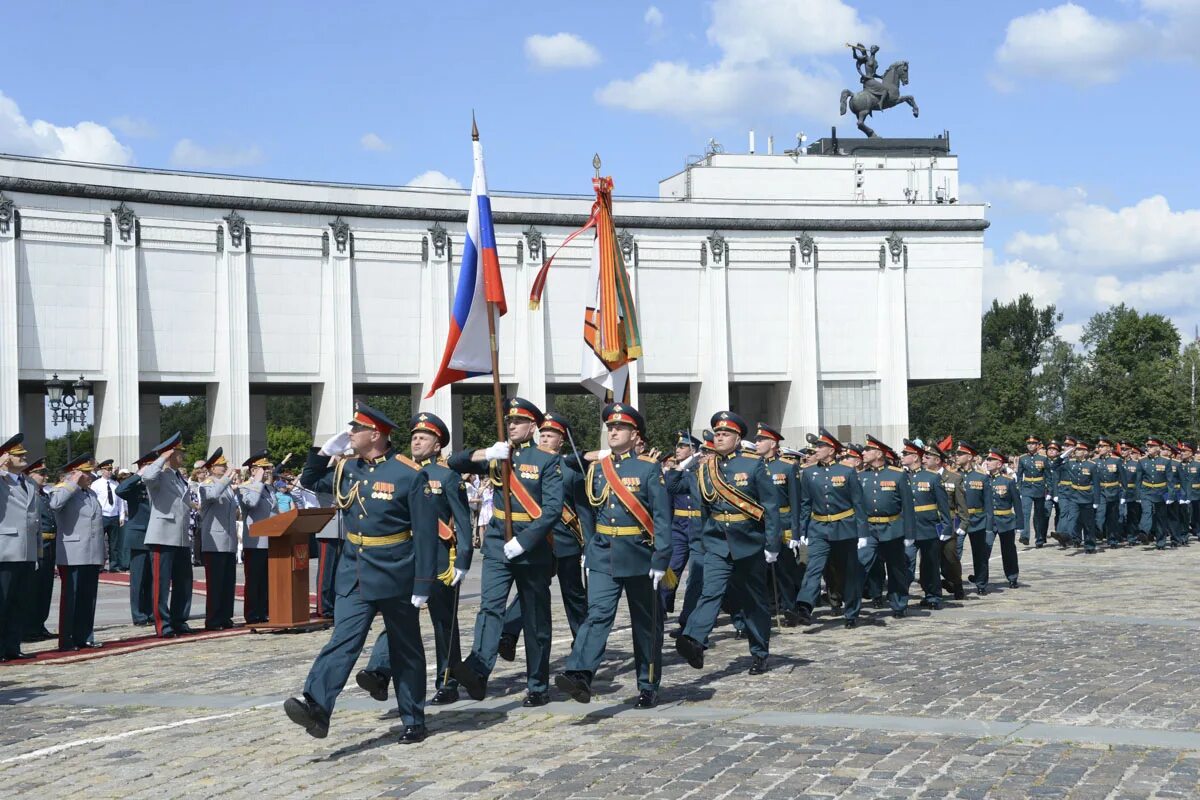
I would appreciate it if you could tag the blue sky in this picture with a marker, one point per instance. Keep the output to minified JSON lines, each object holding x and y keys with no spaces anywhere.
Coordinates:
{"x":1070,"y":118}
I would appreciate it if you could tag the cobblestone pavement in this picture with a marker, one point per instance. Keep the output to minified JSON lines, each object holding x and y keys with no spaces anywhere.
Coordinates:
{"x":1084,"y":683}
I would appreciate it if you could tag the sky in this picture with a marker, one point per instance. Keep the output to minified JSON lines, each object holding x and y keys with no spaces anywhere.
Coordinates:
{"x":1073,"y":120}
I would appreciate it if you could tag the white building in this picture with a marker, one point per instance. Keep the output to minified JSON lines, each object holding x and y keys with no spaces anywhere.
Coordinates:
{"x":800,"y":289}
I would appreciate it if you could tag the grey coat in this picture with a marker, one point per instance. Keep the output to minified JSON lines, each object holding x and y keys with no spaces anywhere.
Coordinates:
{"x":20,"y":522}
{"x":258,"y":503}
{"x":80,"y":522}
{"x":218,"y":515}
{"x":169,"y":507}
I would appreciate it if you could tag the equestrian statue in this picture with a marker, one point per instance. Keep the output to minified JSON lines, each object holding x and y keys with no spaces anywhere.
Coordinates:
{"x":878,"y":93}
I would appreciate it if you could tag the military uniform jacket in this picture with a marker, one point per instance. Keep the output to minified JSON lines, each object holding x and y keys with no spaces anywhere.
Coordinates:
{"x":1129,"y":477}
{"x":218,"y":515}
{"x":20,"y":537}
{"x":45,"y":515}
{"x":1152,"y":479}
{"x":1060,"y":469}
{"x":617,"y":544}
{"x":1110,"y":471}
{"x":1032,"y":473}
{"x":727,"y":530}
{"x":1004,"y":505}
{"x":888,"y":503}
{"x":448,"y":495}
{"x":831,"y":503}
{"x":391,"y":524}
{"x":80,"y":524}
{"x":931,"y":506}
{"x":541,"y":474}
{"x":169,"y":508}
{"x":684,"y":492}
{"x":1174,"y":486}
{"x":1085,"y":481}
{"x":258,"y":503}
{"x":787,"y":484}
{"x":952,"y":482}
{"x":566,"y":542}
{"x":137,"y":502}
{"x":1189,"y":478}
{"x":977,"y":497}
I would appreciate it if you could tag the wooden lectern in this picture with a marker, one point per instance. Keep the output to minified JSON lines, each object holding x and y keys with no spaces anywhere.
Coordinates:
{"x":287,"y":565}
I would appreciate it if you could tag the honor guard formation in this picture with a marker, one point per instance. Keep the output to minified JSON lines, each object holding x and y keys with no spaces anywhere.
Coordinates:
{"x":732,"y":523}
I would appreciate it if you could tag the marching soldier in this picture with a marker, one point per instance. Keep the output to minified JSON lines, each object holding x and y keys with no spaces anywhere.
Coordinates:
{"x":1032,"y":470}
{"x":832,"y":519}
{"x":20,"y":545}
{"x":386,"y":567}
{"x":627,"y":523}
{"x":931,"y":516}
{"x":535,"y":479}
{"x":936,"y":459}
{"x":1111,"y":480}
{"x":685,"y":511}
{"x":1005,"y":516}
{"x":568,"y":540}
{"x":1174,"y":500}
{"x":43,"y":578}
{"x":1131,"y":506}
{"x":429,"y":435}
{"x":167,"y":537}
{"x":740,"y":509}
{"x":1064,"y":521}
{"x":1152,"y":490}
{"x":976,"y":497}
{"x":257,"y":497}
{"x":1081,"y":497}
{"x":888,"y":506}
{"x":1190,"y":485}
{"x":784,"y":573}
{"x":218,"y":540}
{"x":141,"y":574}
{"x":80,"y":553}
{"x":684,"y":490}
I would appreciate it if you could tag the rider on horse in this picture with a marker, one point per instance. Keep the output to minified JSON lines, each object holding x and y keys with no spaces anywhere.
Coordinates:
{"x":868,"y":70}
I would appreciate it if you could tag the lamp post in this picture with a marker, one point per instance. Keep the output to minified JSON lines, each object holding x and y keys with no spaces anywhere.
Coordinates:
{"x":68,"y":408}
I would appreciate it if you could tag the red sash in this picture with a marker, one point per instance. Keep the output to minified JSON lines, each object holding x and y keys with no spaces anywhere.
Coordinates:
{"x":523,"y":496}
{"x":627,"y":498}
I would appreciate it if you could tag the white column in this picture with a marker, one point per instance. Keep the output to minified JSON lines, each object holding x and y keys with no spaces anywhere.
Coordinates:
{"x":799,"y":408}
{"x":228,"y":399}
{"x":118,"y":401}
{"x":150,"y":422}
{"x":10,"y":396}
{"x":435,"y":307}
{"x":333,"y":398}
{"x":711,"y":394}
{"x":892,"y":353}
{"x":529,"y":328}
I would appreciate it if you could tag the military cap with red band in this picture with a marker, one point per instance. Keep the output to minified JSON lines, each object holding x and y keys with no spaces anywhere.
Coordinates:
{"x":1105,"y":440}
{"x":523,"y":409}
{"x":875,"y":444}
{"x":1153,"y":441}
{"x":554,"y":422}
{"x":729,"y":421}
{"x":967,"y":448}
{"x":1189,"y":446}
{"x":367,"y":417}
{"x":995,"y":455}
{"x":708,"y":441}
{"x":850,"y":450}
{"x":823,"y":439}
{"x":912,"y":447}
{"x":623,"y":413}
{"x":764,"y":431}
{"x":424,"y":422}
{"x":1031,"y":439}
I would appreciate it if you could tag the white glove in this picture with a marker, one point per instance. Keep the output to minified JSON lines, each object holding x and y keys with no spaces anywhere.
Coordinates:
{"x":656,"y":575}
{"x":804,"y":541}
{"x":796,"y":544}
{"x":1053,"y":499}
{"x":1186,"y":502}
{"x":420,"y":600}
{"x":498,"y":452}
{"x":337,"y":444}
{"x":1170,"y":501}
{"x":960,"y":532}
{"x":1122,"y":501}
{"x":603,"y":453}
{"x":1018,"y":532}
{"x":943,"y":537}
{"x":862,"y":542}
{"x":771,"y":557}
{"x":512,"y":549}
{"x":909,"y":542}
{"x":1095,"y":506}
{"x":459,"y":574}
{"x":687,"y":462}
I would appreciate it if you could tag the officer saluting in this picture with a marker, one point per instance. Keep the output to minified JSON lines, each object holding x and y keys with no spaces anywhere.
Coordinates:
{"x":167,"y":536}
{"x":141,"y":576}
{"x":1033,"y":469}
{"x":257,"y":498}
{"x":20,"y":544}
{"x":80,"y":552}
{"x":627,"y":527}
{"x":742,"y":535}
{"x":218,"y":541}
{"x":386,"y":567}
{"x":43,"y":579}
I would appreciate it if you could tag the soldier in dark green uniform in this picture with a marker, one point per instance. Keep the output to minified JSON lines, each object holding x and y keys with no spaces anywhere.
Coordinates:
{"x":1080,"y":497}
{"x":524,"y":558}
{"x":428,"y":436}
{"x":1111,"y":480}
{"x":627,"y":525}
{"x":1058,"y":479}
{"x":1131,"y":505}
{"x":43,"y":578}
{"x":783,"y":575}
{"x":1152,"y":491}
{"x":553,"y":434}
{"x":1189,"y":478}
{"x":137,"y":517}
{"x":1174,"y":500}
{"x":1032,"y":469}
{"x":387,"y":566}
{"x":741,"y":537}
{"x":1005,"y":515}
{"x":937,"y":459}
{"x":931,"y":517}
{"x":686,"y":544}
{"x":977,"y":496}
{"x":888,"y":505}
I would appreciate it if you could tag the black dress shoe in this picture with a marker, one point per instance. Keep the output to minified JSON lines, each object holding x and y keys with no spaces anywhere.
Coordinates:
{"x":413,"y":734}
{"x":961,"y":594}
{"x":691,"y":650}
{"x":18,"y":656}
{"x":738,"y":633}
{"x":758,"y":666}
{"x":1013,"y":584}
{"x":1024,"y":542}
{"x":646,"y":699}
{"x":836,"y":609}
{"x":675,"y":634}
{"x":535,"y":699}
{"x":901,"y":614}
{"x":852,"y":623}
{"x":971,"y":578}
{"x":185,"y":629}
{"x":90,"y":645}
{"x":804,"y":615}
{"x":877,"y":602}
{"x":791,"y":618}
{"x":469,"y":679}
{"x":577,"y":685}
{"x":507,"y":649}
{"x":444,"y":697}
{"x":308,"y":715}
{"x":169,"y":635}
{"x":1040,"y":545}
{"x":374,"y":682}
{"x":983,"y":589}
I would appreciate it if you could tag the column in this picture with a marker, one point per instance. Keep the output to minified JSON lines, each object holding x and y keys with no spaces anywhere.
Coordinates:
{"x":257,"y":416}
{"x":150,"y":413}
{"x":333,"y":398}
{"x":228,"y":400}
{"x":118,"y":398}
{"x":799,"y":404}
{"x":711,"y":394}
{"x":435,"y":308}
{"x":33,"y":422}
{"x":10,"y":399}
{"x":892,"y":353}
{"x":529,"y":327}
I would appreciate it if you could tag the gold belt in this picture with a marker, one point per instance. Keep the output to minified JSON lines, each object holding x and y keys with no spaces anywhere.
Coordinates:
{"x":721,"y":516}
{"x":1110,"y":484}
{"x":619,"y":530}
{"x":517,"y":516}
{"x":785,"y":510}
{"x":47,"y":536}
{"x":849,"y":512}
{"x":1155,"y":485}
{"x":974,"y":510}
{"x":930,"y":507}
{"x":1084,"y":487}
{"x":883,"y":520}
{"x":379,"y":541}
{"x":687,"y":512}
{"x":787,"y":536}
{"x":1003,"y":512}
{"x":1033,"y":479}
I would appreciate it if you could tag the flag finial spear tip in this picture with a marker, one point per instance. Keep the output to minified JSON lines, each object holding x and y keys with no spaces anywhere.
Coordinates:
{"x":596,"y":164}
{"x":474,"y":127}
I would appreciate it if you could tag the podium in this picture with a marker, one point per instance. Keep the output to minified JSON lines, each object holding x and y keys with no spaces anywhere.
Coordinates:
{"x":287,"y":566}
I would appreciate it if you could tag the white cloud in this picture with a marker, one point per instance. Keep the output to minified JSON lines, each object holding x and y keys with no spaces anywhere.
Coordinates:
{"x":1023,"y":195}
{"x":757,"y":30}
{"x":1070,"y":332}
{"x":1011,"y":279}
{"x":84,"y":141}
{"x":189,"y":155}
{"x":374,"y":143}
{"x":432,"y":179}
{"x":135,"y":127}
{"x":653,"y":17}
{"x":560,"y":51}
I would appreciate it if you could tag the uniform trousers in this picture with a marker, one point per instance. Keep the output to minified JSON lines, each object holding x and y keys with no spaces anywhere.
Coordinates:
{"x":981,"y":551}
{"x":929,"y":553}
{"x":114,"y":532}
{"x":220,"y":579}
{"x":1133,"y":521}
{"x":1153,"y":523}
{"x":15,"y":581}
{"x":789,"y":574}
{"x":254,"y":593}
{"x":749,"y":577}
{"x":1181,"y":522}
{"x":1108,"y":521}
{"x":141,"y":587}
{"x":952,"y":564}
{"x":1085,"y":526}
{"x":680,"y":552}
{"x":352,"y":618}
{"x":646,"y":618}
{"x":569,"y":571}
{"x":1008,"y":553}
{"x":843,"y":553}
{"x":1067,"y":524}
{"x":533,"y":590}
{"x":1193,"y":520}
{"x":43,"y":589}
{"x":172,"y":585}
{"x":329,"y":552}
{"x":1037,"y":519}
{"x":695,"y":580}
{"x":875,"y":555}
{"x":77,"y":604}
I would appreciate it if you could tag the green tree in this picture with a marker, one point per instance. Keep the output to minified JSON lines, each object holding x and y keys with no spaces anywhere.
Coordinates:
{"x":284,"y":439}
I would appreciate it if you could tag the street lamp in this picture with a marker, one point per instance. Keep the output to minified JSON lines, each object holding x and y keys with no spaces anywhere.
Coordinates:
{"x":68,"y":408}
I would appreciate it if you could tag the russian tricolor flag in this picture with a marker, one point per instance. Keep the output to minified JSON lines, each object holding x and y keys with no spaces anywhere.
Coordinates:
{"x":468,"y":351}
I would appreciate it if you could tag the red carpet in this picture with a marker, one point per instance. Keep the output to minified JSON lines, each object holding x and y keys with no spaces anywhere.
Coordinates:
{"x":198,"y":586}
{"x":123,"y":646}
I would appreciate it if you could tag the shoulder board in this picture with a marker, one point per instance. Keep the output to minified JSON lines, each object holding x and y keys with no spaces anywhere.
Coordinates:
{"x":443,"y":461}
{"x":755,"y":456}
{"x":207,"y":481}
{"x":648,"y":459}
{"x":60,"y":485}
{"x":408,"y":462}
{"x":895,"y":469}
{"x":547,"y":450}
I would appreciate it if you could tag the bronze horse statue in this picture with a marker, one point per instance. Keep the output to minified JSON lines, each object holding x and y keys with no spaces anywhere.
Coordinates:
{"x":879,"y":95}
